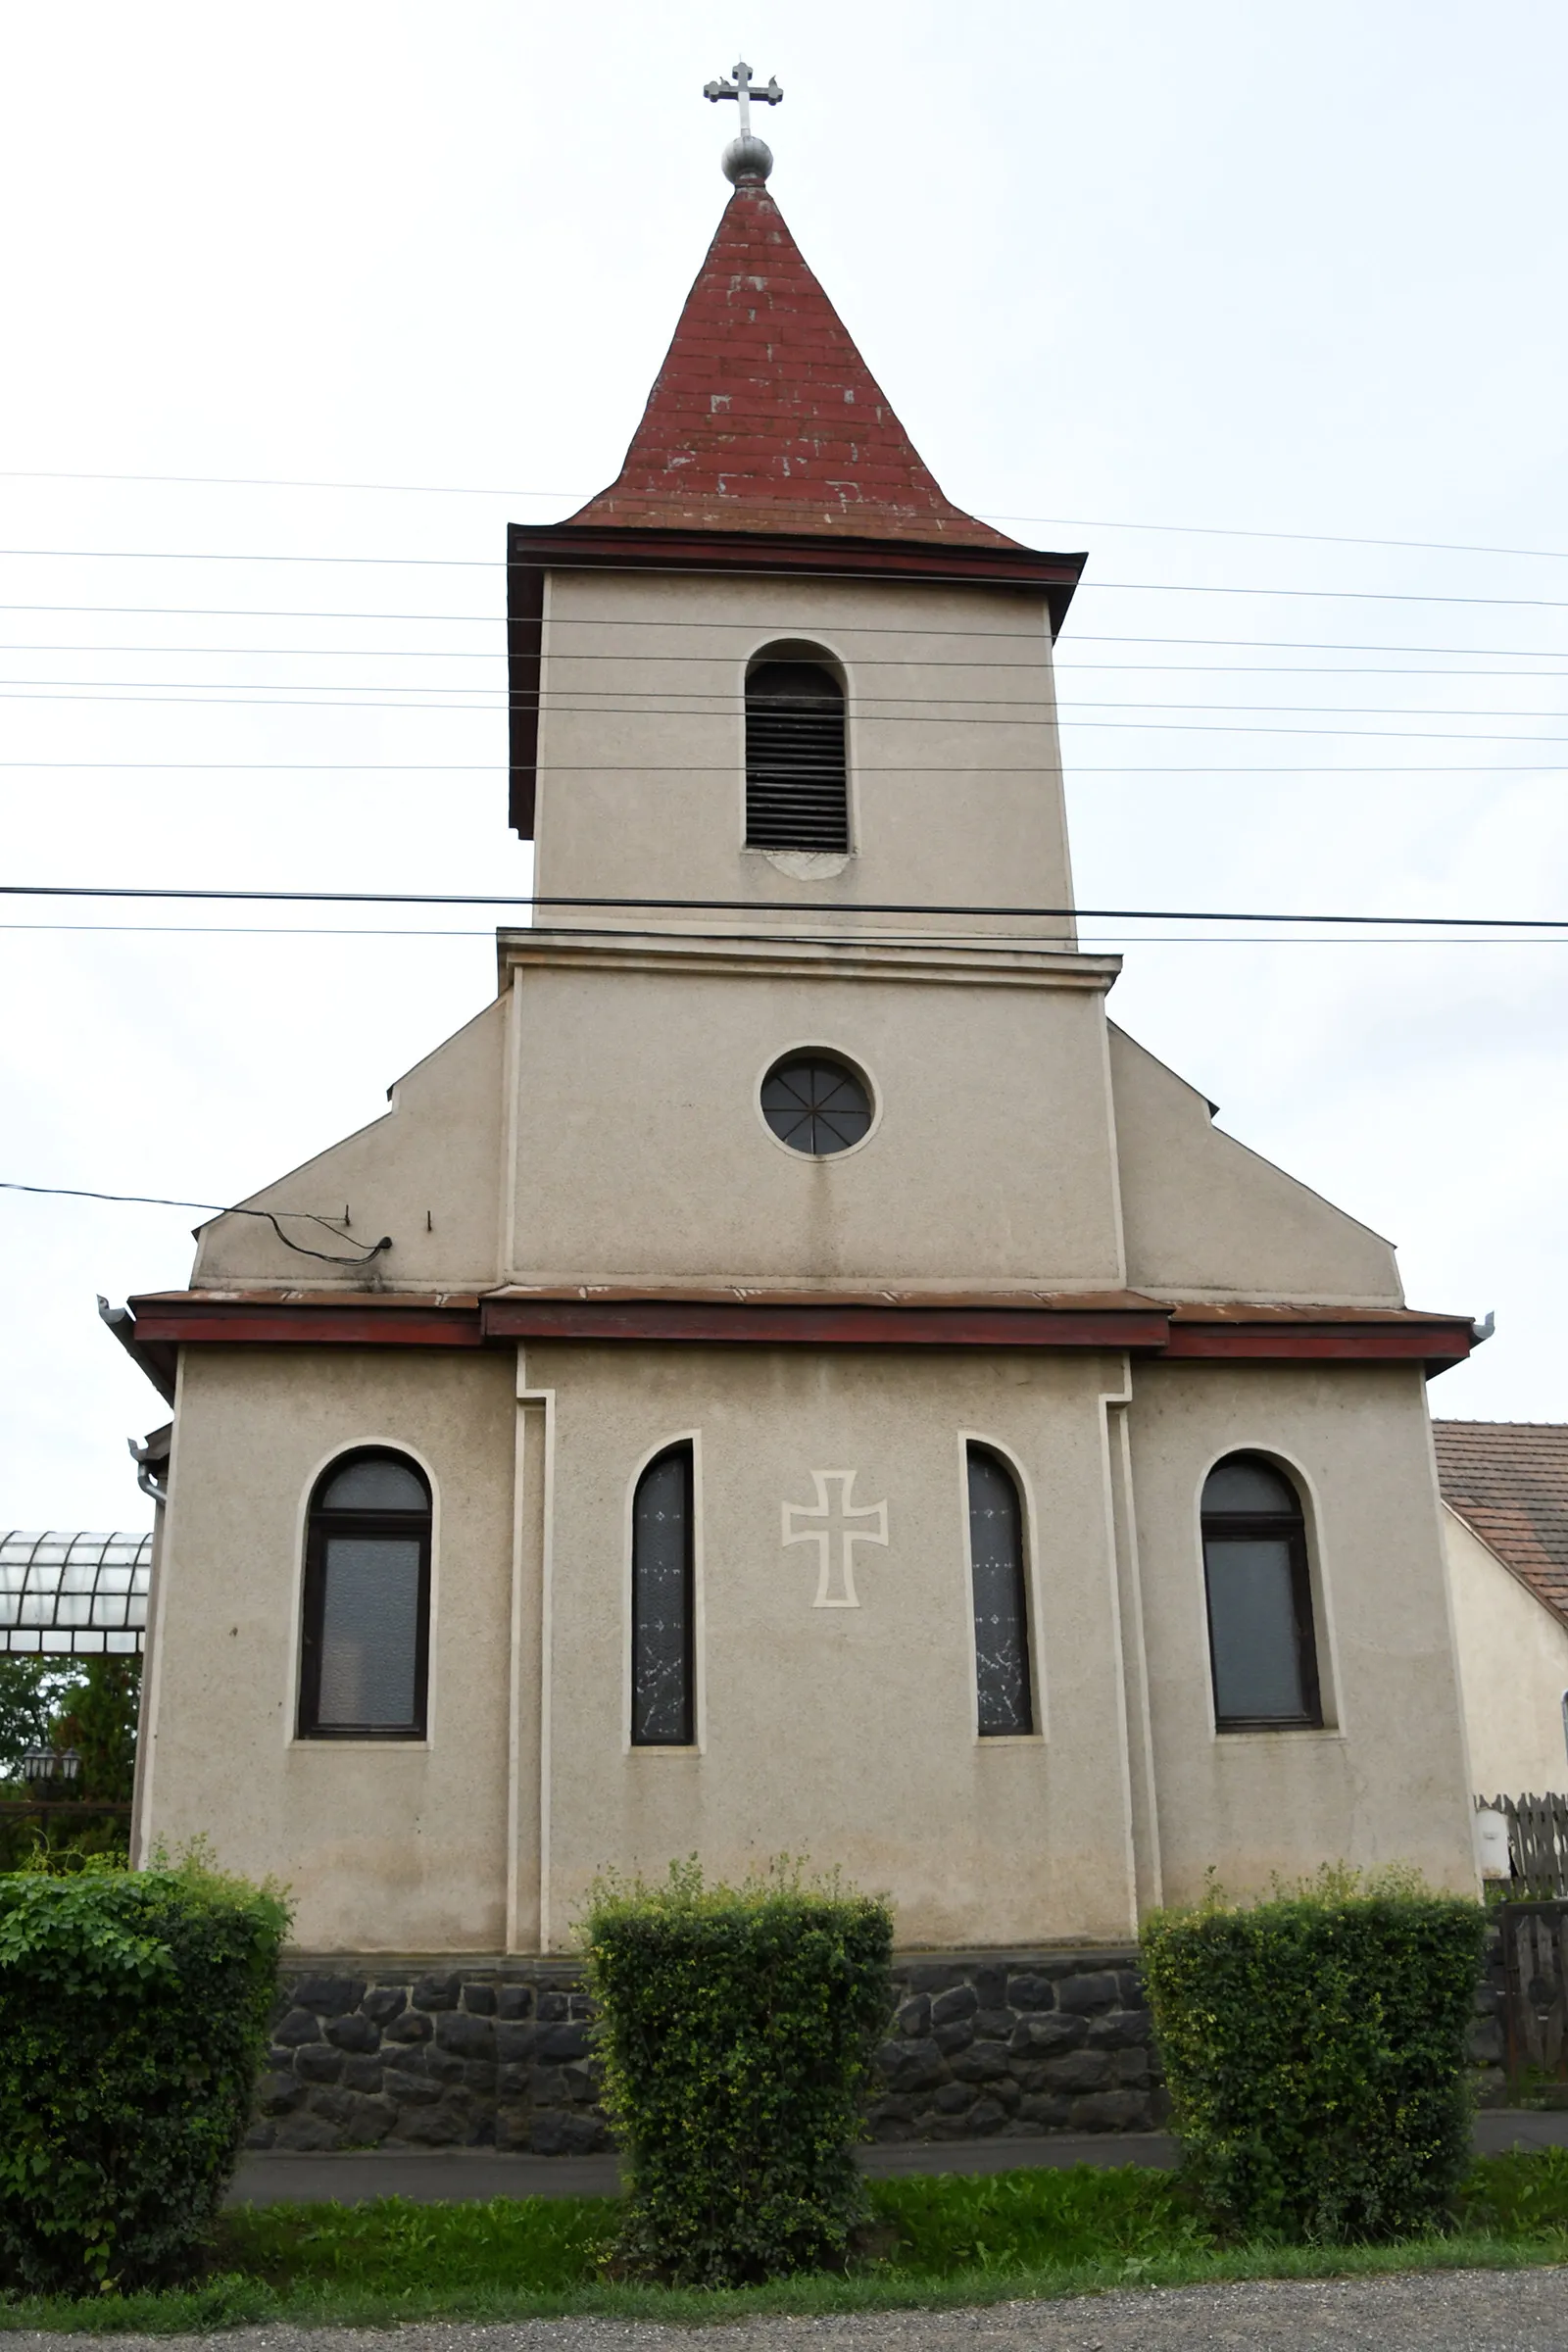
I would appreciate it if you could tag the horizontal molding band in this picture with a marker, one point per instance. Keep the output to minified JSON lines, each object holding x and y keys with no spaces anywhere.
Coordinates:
{"x":1148,"y":1330}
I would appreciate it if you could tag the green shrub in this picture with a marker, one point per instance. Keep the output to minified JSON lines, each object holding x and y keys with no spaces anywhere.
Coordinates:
{"x":133,"y":2014}
{"x":736,"y":2027}
{"x":1314,"y":2052}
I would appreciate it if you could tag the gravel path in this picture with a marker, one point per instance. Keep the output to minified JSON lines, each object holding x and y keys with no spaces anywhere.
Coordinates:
{"x":1435,"y":2310}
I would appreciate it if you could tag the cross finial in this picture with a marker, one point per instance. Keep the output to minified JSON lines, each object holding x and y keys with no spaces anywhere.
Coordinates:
{"x":746,"y":157}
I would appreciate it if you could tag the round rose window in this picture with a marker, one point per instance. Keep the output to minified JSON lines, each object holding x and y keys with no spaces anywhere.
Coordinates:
{"x":816,"y":1104}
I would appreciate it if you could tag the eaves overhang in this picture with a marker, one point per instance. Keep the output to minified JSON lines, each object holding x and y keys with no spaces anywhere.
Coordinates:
{"x":730,"y":1315}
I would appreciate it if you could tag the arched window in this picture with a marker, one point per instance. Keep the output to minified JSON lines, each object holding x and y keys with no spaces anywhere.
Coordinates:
{"x":797,"y":776}
{"x":1002,"y":1685}
{"x":366,"y":1642}
{"x":1261,"y":1643}
{"x":664,"y":1604}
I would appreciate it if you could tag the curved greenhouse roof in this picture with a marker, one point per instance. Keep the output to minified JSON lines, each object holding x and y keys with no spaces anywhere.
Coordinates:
{"x":74,"y":1595}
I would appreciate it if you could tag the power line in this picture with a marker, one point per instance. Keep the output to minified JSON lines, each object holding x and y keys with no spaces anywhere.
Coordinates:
{"x":431,"y":653}
{"x":1016,"y":714}
{"x":901,"y":767}
{"x":145,"y":555}
{"x":496,"y":620}
{"x":1071,"y":522}
{"x":1142,"y":939}
{"x":534,"y":898}
{"x":68,"y":1192}
{"x":221,"y":701}
{"x":657,"y":703}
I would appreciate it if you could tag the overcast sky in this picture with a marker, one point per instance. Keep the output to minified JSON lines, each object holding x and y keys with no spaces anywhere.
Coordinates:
{"x":1118,"y":266}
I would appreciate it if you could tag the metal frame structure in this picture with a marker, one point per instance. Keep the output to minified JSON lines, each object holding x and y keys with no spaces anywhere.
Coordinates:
{"x":74,"y":1595}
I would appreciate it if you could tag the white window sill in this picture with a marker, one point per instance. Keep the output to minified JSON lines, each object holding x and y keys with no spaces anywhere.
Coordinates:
{"x":362,"y":1747}
{"x":1288,"y":1731}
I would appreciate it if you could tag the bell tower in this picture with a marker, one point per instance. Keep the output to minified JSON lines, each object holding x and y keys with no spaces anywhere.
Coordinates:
{"x":772,"y":665}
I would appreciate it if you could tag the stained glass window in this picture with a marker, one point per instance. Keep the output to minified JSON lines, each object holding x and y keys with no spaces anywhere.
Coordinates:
{"x":816,"y":1104}
{"x":1002,"y":1685}
{"x":1263,"y":1653}
{"x":662,"y":1604}
{"x":367,"y":1603}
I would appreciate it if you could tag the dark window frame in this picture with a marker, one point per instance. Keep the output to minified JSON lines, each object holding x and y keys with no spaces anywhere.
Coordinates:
{"x":684,"y":1450}
{"x":796,"y":762}
{"x":321,"y":1524}
{"x":805,"y":1117}
{"x":976,"y":1448}
{"x":1274,"y":1527}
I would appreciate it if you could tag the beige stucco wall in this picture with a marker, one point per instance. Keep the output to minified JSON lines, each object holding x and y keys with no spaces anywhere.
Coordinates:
{"x":1207,"y":1219}
{"x":846,"y":1734}
{"x":1387,"y":1781}
{"x":954,"y":763}
{"x":385,"y":1846}
{"x":640,"y":1149}
{"x":1513,"y":1670}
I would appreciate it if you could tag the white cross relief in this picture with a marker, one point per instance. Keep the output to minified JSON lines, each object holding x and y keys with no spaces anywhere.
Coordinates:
{"x":836,"y":1523}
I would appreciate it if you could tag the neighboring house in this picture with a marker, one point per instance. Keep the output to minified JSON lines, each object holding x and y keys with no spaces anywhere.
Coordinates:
{"x":791,"y":1376}
{"x":1504,"y":1488}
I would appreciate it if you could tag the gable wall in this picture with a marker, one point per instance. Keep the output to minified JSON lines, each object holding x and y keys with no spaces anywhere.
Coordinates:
{"x":1207,"y":1219}
{"x":1513,"y":1669}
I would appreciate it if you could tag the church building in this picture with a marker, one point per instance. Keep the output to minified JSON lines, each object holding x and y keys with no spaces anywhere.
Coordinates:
{"x":791,"y":1376}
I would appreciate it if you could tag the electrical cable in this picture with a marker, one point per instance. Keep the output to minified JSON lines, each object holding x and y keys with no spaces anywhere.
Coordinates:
{"x":428,"y":653}
{"x":1424,"y":769}
{"x":1085,"y":941}
{"x":70,"y":1192}
{"x":489,"y":621}
{"x":146,"y":555}
{"x":1019,"y":714}
{"x":1071,"y":522}
{"x":654,"y":702}
{"x":527,"y":898}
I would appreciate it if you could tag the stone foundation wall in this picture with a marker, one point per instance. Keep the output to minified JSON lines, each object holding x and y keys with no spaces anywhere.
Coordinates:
{"x":430,"y":2056}
{"x":1017,"y":2043}
{"x":479,"y":2054}
{"x":476,"y":2054}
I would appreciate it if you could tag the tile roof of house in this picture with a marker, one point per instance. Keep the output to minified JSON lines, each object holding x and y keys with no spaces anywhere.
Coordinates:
{"x":764,"y":417}
{"x":1508,"y":1481}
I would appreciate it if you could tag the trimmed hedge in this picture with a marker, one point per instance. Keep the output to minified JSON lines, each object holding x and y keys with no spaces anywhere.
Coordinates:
{"x":735,"y":2033}
{"x":1314,"y":2052}
{"x":133,"y":2015}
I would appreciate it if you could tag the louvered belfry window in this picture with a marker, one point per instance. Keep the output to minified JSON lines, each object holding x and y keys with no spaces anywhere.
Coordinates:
{"x":797,"y":776}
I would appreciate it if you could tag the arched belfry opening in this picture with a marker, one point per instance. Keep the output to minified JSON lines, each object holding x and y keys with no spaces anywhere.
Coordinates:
{"x":796,"y":763}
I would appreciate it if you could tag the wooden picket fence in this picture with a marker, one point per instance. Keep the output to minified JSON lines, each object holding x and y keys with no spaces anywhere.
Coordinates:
{"x":1537,"y":1844}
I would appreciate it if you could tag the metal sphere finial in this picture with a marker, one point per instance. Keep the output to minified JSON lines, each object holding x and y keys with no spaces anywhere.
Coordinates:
{"x":747,"y":158}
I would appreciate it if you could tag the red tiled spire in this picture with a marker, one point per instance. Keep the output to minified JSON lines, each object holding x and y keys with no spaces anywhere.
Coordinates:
{"x":764,"y":417}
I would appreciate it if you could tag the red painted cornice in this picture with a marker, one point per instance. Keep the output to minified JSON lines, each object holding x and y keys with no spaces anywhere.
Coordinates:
{"x":673,"y":1314}
{"x":384,"y":1319}
{"x":622,"y":547}
{"x":827,"y":1323}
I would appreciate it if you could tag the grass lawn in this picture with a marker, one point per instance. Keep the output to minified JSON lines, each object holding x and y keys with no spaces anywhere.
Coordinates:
{"x":938,"y":2240}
